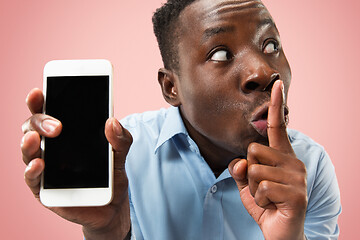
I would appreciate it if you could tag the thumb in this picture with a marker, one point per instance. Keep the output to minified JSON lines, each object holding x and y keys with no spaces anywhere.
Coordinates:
{"x":238,"y":170}
{"x":120,"y":140}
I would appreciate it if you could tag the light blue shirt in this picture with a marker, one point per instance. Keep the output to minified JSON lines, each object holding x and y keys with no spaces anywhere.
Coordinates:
{"x":175,"y":195}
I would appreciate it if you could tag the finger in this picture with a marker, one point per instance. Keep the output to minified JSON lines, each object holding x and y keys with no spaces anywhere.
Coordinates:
{"x":269,"y":194}
{"x":238,"y":170}
{"x":258,"y":153}
{"x":30,"y":146}
{"x":258,"y":173}
{"x":250,"y":205}
{"x":278,"y":137}
{"x":120,"y":139}
{"x":32,"y":175}
{"x":35,"y":101}
{"x":43,"y":124}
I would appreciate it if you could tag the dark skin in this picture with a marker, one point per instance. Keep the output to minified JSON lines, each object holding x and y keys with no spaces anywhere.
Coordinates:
{"x":227,"y":91}
{"x":230,"y":57}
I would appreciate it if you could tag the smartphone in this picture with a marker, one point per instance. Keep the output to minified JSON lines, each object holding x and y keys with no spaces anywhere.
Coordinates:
{"x":79,"y":162}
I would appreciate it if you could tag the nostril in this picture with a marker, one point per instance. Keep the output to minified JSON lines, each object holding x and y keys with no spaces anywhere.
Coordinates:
{"x":260,"y":82}
{"x":252,"y":86}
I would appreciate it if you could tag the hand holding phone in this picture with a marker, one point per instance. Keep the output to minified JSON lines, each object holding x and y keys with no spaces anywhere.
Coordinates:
{"x":99,"y":221}
{"x":79,"y":162}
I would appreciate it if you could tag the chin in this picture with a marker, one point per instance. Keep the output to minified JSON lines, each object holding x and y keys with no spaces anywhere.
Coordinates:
{"x":240,"y":149}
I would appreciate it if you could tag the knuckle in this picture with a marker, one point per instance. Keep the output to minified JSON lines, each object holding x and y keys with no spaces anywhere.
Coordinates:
{"x":129,"y":138}
{"x":254,"y":170}
{"x":264,"y":186}
{"x":32,"y":182}
{"x":253,"y":148}
{"x":261,"y":194}
{"x":301,"y":200}
{"x":25,"y":126}
{"x":33,"y":122}
{"x":126,"y":139}
{"x":301,"y":168}
{"x":300,"y":180}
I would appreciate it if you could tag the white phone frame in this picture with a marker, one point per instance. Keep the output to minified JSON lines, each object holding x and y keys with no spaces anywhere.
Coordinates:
{"x":78,"y":197}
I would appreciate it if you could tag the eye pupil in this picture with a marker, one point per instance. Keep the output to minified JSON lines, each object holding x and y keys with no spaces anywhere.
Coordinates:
{"x":271,"y":47}
{"x":228,"y":55}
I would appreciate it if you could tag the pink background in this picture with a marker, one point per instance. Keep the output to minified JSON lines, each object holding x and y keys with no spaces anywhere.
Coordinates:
{"x":321,"y":39}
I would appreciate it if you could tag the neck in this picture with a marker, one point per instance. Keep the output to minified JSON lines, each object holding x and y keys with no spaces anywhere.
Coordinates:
{"x":216,"y":157}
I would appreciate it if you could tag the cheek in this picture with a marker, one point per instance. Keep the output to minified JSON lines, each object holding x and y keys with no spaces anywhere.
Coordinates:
{"x":203,"y":103}
{"x":216,"y":115}
{"x":285,"y":71}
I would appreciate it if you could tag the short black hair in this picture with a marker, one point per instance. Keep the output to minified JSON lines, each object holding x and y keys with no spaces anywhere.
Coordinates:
{"x":165,"y":21}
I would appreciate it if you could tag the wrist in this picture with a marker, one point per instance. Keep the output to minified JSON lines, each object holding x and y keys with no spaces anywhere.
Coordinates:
{"x":114,"y":234}
{"x":118,"y":227}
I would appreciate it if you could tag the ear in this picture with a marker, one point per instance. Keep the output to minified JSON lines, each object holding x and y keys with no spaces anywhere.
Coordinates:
{"x":168,"y":82}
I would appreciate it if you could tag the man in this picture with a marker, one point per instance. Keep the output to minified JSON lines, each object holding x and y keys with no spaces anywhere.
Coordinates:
{"x":226,"y":76}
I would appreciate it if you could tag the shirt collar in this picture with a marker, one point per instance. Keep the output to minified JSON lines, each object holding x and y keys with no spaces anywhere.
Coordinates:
{"x":173,"y":125}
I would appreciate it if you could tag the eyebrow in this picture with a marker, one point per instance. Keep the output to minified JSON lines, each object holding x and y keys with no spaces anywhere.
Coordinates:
{"x":215,"y":31}
{"x":267,"y":22}
{"x":212,"y":31}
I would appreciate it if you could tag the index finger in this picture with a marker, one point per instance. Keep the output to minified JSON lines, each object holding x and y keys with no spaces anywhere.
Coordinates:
{"x":276,"y":129}
{"x":35,"y":101}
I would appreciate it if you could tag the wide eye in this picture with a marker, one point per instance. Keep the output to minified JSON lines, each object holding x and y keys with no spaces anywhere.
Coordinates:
{"x":221,"y":55}
{"x":271,"y":47}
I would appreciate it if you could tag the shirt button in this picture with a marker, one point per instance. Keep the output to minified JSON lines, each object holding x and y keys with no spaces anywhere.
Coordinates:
{"x":213,"y":189}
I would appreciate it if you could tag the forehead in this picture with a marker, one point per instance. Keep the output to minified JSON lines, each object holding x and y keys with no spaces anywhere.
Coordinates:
{"x":203,"y":14}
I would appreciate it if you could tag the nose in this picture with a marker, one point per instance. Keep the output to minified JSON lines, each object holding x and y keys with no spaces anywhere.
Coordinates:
{"x":257,"y":74}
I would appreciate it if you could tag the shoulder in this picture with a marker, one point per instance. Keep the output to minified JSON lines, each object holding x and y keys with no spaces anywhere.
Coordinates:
{"x":149,"y":122}
{"x":313,"y":155}
{"x":136,"y":119}
{"x":322,"y":187}
{"x":299,"y":139}
{"x":306,"y":149}
{"x":321,"y":176}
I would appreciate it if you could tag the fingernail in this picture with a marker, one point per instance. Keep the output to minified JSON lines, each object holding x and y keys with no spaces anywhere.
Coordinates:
{"x":117,"y":128}
{"x":49,"y":125}
{"x":282,"y":91}
{"x":236,"y":166}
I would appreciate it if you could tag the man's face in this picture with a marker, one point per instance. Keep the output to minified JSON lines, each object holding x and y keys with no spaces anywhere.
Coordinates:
{"x":229,"y":55}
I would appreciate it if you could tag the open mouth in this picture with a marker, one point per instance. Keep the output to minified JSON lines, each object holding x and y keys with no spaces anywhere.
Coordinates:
{"x":259,"y":119}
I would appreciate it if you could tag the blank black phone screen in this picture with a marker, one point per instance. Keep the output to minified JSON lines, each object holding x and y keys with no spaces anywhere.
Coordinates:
{"x":78,"y":157}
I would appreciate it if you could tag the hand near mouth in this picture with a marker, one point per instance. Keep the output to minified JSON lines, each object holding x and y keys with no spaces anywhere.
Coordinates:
{"x":272,"y":181}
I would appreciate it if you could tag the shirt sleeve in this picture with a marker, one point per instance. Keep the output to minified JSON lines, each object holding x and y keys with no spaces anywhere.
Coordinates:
{"x":324,"y":203}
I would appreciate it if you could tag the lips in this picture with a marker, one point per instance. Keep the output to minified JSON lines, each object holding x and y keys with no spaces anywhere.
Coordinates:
{"x":259,"y":118}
